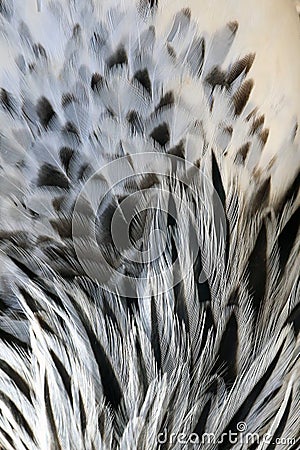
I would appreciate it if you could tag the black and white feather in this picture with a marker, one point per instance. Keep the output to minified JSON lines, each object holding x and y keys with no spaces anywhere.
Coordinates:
{"x":85,"y":367}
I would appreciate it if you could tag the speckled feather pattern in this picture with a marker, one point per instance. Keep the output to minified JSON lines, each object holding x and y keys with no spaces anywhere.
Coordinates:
{"x":87,"y":84}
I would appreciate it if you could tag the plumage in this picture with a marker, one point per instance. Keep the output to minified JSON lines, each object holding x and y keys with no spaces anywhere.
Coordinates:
{"x":149,"y":231}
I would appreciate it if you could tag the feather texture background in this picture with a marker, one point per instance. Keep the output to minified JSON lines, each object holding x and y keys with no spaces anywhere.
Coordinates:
{"x":194,"y":330}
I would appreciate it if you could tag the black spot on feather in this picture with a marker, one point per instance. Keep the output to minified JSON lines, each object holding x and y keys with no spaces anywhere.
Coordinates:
{"x":45,"y":111}
{"x":31,"y":67}
{"x":241,"y":97}
{"x":240,"y":66}
{"x":76,"y":30}
{"x":96,"y":82}
{"x":149,"y":180}
{"x":84,"y":172}
{"x":135,"y":122}
{"x":99,"y":38}
{"x":261,"y":197}
{"x":7,"y":101}
{"x":187,"y":13}
{"x":6,"y":8}
{"x":242,"y":154}
{"x":72,"y":132}
{"x":67,"y":99}
{"x":18,"y":238}
{"x":228,"y":130}
{"x":63,"y":227}
{"x":257,"y":124}
{"x":263,"y":137}
{"x":65,"y":155}
{"x":161,"y":134}
{"x":50,"y":176}
{"x":166,"y":101}
{"x":148,"y":3}
{"x":178,"y":150}
{"x":142,"y":76}
{"x":39,"y":51}
{"x":171,"y":51}
{"x":233,"y":26}
{"x":118,"y":58}
{"x":216,"y":77}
